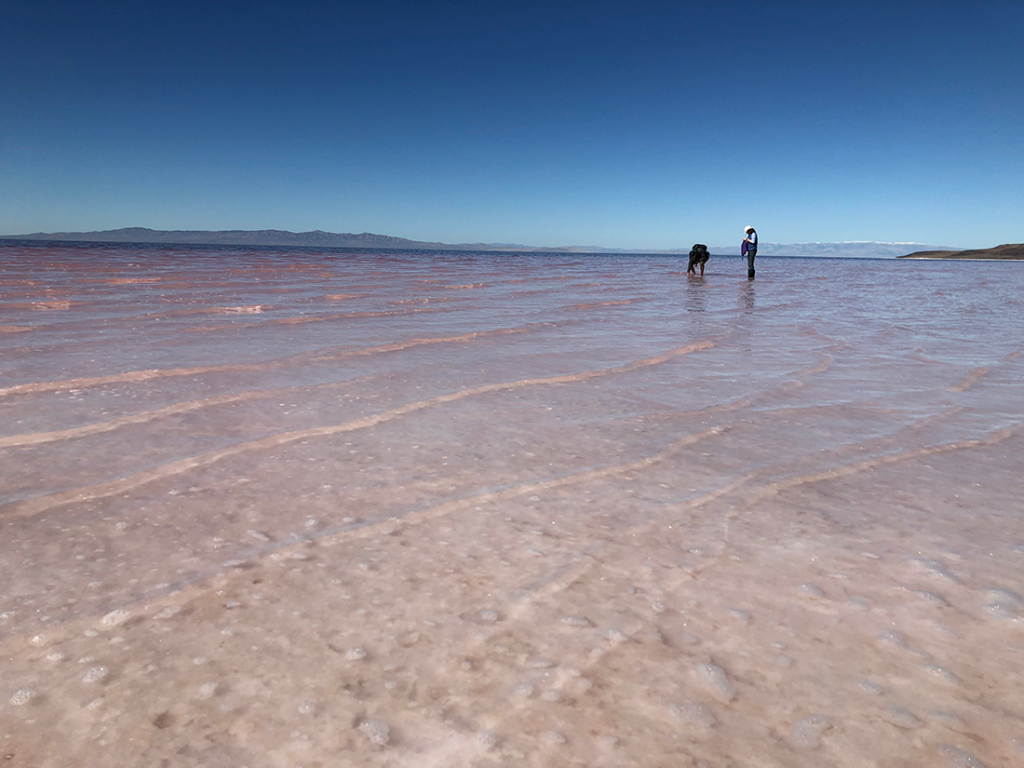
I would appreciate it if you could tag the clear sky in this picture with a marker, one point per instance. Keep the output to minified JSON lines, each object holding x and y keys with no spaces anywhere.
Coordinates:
{"x":621,"y":124}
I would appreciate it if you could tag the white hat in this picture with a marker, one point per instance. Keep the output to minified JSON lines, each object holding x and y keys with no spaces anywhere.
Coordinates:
{"x":747,"y":228}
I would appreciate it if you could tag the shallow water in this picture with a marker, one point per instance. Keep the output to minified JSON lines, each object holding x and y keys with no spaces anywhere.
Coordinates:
{"x":282,"y":508}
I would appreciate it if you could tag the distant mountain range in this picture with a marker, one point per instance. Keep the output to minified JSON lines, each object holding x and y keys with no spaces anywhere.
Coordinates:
{"x":319,"y":238}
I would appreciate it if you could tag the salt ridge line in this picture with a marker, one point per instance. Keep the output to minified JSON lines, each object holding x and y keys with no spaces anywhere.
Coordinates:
{"x":585,"y":561}
{"x":412,"y":516}
{"x":970,"y":381}
{"x":850,"y":469}
{"x":295,"y":320}
{"x":184,"y":406}
{"x":303,"y":319}
{"x":156,"y":373}
{"x":773,"y":489}
{"x":103,"y":490}
{"x":425,"y":513}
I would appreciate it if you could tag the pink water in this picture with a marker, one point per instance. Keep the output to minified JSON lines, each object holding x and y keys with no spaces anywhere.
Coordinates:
{"x":259,"y":507}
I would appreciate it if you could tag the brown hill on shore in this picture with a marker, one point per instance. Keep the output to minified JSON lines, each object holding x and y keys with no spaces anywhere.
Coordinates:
{"x":1014,"y":251}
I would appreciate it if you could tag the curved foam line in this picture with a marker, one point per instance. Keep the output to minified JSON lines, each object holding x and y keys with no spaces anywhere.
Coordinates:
{"x":860,"y":466}
{"x":970,"y":381}
{"x":511,"y":492}
{"x":557,"y":579}
{"x":307,"y":319}
{"x":596,"y":304}
{"x":157,"y":373}
{"x":103,"y":490}
{"x":184,"y":406}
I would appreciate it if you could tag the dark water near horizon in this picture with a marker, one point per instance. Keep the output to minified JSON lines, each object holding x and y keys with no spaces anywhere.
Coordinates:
{"x":531,"y":509}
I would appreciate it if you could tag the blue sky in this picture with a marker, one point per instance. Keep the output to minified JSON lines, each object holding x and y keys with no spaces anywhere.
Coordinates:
{"x":640,"y":124}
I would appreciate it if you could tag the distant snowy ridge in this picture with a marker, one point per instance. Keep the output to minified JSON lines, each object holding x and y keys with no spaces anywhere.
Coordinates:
{"x":851,"y":249}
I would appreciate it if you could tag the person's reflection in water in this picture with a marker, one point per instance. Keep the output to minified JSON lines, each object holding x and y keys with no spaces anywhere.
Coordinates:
{"x":695,"y":294}
{"x":747,"y":295}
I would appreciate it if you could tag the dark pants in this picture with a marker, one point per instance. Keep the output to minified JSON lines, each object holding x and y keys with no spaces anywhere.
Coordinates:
{"x":750,"y":262}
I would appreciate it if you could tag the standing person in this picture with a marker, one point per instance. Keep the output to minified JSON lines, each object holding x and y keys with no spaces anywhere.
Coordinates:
{"x":749,"y":249}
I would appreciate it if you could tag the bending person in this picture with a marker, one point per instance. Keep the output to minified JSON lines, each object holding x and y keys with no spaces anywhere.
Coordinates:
{"x":698,"y":255}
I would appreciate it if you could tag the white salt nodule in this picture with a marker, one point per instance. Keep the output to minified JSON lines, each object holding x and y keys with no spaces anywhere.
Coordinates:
{"x":114,"y":618}
{"x":95,"y":674}
{"x":486,"y":739}
{"x":22,"y":697}
{"x":716,"y":681}
{"x":957,"y":758}
{"x":806,"y":732}
{"x":616,"y":635}
{"x":206,"y":690}
{"x":941,"y":674}
{"x":376,"y":732}
{"x":693,"y":713}
{"x":901,"y":718}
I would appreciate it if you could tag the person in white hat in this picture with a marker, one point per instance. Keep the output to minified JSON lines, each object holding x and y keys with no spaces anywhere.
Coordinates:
{"x":749,"y":248}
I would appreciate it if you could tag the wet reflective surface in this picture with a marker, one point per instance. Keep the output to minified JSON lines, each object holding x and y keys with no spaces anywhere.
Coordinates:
{"x":281,"y":508}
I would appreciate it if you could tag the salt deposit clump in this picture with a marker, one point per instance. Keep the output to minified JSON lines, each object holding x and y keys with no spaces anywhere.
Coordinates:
{"x":901,"y":718}
{"x":114,"y":618}
{"x":22,"y":697}
{"x":811,"y":590}
{"x":488,"y":615}
{"x":206,"y":690}
{"x":806,"y":732}
{"x":941,"y":674}
{"x":168,"y":612}
{"x":714,"y":679}
{"x":948,"y":719}
{"x":892,"y":638}
{"x":1000,"y":611}
{"x":740,"y":615}
{"x":694,"y":714}
{"x":575,"y":621}
{"x":486,"y":739}
{"x":95,"y":675}
{"x":376,"y":732}
{"x":957,"y":758}
{"x":355,"y":654}
{"x":873,"y":688}
{"x":1004,"y":596}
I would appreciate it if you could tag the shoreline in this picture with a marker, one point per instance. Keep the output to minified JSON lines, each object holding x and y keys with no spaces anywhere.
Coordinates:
{"x":1005,"y":252}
